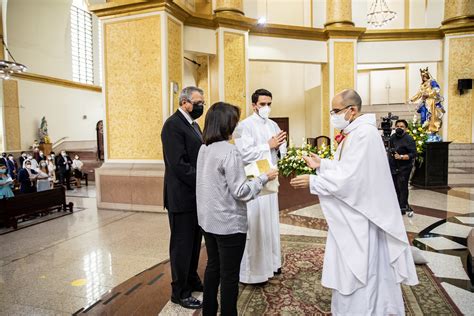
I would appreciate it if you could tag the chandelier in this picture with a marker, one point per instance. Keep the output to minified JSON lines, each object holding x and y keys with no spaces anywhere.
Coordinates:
{"x":380,"y":14}
{"x":7,"y":68}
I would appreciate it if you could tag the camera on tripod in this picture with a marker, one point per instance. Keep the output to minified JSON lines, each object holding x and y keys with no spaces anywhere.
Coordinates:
{"x":386,"y":127}
{"x":386,"y":124}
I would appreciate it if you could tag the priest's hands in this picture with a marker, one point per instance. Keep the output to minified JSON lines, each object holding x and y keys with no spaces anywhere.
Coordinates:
{"x":313,"y":161}
{"x":272,"y":174}
{"x":277,"y":140}
{"x":300,"y":182}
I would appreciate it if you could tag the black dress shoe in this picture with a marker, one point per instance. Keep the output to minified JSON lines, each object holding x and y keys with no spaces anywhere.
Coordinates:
{"x":189,"y":302}
{"x":278,"y":272}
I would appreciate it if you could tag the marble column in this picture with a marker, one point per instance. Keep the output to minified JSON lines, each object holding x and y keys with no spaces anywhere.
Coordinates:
{"x":339,"y":12}
{"x":340,"y":71}
{"x":458,"y":11}
{"x":229,"y":69}
{"x":143,"y":69}
{"x":230,"y":6}
{"x":458,"y":27}
{"x":10,"y":133}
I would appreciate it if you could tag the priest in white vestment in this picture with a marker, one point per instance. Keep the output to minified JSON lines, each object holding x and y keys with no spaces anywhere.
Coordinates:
{"x":367,"y":251}
{"x":257,"y":137}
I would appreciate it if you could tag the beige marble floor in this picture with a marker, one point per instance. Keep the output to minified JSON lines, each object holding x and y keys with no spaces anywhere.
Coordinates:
{"x":59,"y":266}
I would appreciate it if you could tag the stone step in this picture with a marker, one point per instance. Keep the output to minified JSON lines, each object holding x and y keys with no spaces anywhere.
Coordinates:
{"x":461,"y":158}
{"x":461,"y":146}
{"x":461,"y":165}
{"x":460,"y":152}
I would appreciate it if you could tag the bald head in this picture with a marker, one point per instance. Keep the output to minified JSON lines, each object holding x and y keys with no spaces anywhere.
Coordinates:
{"x":347,"y":97}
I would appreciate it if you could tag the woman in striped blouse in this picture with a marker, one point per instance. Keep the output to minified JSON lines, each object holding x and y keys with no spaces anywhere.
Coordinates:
{"x":222,"y":191}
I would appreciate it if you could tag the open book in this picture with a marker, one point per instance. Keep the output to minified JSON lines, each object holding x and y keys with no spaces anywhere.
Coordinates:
{"x":258,"y":168}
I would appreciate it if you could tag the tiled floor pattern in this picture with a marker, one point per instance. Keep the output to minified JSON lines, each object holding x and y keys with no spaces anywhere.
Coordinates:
{"x":65,"y":264}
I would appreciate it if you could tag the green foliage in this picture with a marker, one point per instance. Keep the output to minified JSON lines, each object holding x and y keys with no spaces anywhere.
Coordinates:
{"x":420,"y":136}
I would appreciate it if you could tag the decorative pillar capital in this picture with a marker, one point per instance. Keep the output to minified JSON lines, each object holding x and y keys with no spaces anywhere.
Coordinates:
{"x":230,"y":6}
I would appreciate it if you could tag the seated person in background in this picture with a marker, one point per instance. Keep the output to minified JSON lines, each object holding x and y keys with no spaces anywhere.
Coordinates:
{"x":6,"y":183}
{"x":43,"y":181}
{"x":77,"y":170}
{"x":222,"y":190}
{"x":401,"y":157}
{"x":27,"y":178}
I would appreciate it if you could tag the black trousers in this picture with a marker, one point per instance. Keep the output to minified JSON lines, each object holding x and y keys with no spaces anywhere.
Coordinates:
{"x":185,"y":247}
{"x":224,"y":253}
{"x":400,"y":180}
{"x":65,"y":178}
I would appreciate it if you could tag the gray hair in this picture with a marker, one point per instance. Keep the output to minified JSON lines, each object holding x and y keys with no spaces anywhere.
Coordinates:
{"x":187,"y":92}
{"x":351,"y":97}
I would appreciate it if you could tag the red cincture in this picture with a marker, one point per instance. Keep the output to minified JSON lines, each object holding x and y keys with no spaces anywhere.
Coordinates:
{"x":340,"y":137}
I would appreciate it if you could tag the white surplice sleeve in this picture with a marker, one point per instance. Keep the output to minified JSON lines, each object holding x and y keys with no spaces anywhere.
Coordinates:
{"x":248,"y":147}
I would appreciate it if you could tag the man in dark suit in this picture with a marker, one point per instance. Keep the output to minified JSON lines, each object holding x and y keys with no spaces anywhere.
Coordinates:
{"x":182,"y":139}
{"x":64,"y":166}
{"x":22,"y":159}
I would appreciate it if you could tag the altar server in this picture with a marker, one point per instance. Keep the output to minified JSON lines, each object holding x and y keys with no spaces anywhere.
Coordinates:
{"x":257,"y":137}
{"x":367,"y":251}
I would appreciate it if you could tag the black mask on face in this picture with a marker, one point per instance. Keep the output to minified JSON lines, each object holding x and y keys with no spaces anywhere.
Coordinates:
{"x":399,"y":131}
{"x":198,"y":109}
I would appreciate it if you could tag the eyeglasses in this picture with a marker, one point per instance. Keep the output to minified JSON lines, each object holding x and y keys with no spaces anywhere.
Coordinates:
{"x":199,"y":103}
{"x":335,"y":111}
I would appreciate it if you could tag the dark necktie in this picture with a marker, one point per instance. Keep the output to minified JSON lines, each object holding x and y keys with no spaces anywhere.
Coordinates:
{"x":197,"y":129}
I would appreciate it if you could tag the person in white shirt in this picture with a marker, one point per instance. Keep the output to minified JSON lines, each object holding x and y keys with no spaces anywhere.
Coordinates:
{"x":367,"y":253}
{"x":257,"y":137}
{"x":77,"y":169}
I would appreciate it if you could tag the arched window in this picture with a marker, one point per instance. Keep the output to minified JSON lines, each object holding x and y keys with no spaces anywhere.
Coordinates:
{"x":82,"y":43}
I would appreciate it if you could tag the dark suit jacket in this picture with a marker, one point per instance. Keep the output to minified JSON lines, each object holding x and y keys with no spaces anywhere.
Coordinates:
{"x":181,"y":144}
{"x":61,"y":167}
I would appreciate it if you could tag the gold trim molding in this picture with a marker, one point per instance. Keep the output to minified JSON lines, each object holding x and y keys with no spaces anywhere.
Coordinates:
{"x":401,"y":35}
{"x":463,"y":19}
{"x":334,"y":29}
{"x":57,"y":81}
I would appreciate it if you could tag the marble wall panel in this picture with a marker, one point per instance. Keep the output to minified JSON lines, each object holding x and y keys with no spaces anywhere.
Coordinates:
{"x":175,"y":57}
{"x":235,"y":80}
{"x":133,"y":81}
{"x":460,"y":107}
{"x":11,"y":115}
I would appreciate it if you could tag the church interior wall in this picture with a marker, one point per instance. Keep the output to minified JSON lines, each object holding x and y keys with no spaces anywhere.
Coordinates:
{"x":287,"y":49}
{"x":403,"y":80}
{"x":39,"y":36}
{"x":292,"y":92}
{"x":399,"y":51}
{"x":64,"y":109}
{"x":416,"y":13}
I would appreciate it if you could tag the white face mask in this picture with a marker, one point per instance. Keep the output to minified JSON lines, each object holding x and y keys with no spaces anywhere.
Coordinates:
{"x":264,"y":112}
{"x":339,"y":121}
{"x":63,"y":154}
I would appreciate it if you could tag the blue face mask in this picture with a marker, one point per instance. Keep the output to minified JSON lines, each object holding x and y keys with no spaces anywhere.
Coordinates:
{"x":3,"y":171}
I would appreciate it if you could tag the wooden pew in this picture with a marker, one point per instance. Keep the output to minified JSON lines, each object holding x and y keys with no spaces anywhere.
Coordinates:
{"x":25,"y":205}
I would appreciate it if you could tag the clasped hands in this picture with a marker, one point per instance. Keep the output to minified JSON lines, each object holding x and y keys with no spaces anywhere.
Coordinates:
{"x":301,"y":182}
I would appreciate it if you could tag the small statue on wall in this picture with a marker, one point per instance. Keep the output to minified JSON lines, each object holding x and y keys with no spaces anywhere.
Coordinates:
{"x":43,"y":132}
{"x":429,"y":102}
